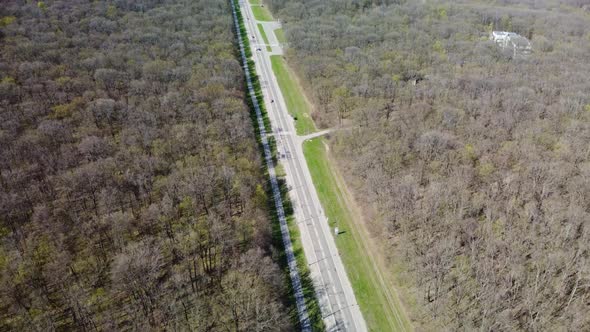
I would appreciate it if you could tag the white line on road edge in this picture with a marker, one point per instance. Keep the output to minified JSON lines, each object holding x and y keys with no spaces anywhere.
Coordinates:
{"x":293,"y":272}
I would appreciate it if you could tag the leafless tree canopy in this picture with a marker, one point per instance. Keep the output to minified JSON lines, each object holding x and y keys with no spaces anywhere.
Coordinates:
{"x":132,"y":196}
{"x":475,"y":161}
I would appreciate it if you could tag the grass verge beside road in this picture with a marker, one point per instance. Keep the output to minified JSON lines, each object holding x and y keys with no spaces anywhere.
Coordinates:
{"x":261,"y":13}
{"x":379,"y":313}
{"x":264,"y":37}
{"x":280,"y":34}
{"x":296,"y":102}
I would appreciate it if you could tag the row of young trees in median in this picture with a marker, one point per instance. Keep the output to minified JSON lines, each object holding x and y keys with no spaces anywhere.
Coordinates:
{"x":131,"y":189}
{"x":475,"y":163}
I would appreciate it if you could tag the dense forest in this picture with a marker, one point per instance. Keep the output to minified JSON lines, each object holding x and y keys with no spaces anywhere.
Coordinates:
{"x":132,"y":194}
{"x":474,"y":161}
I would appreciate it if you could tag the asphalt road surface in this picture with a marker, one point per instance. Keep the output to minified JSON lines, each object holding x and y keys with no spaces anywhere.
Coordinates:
{"x":338,"y":304}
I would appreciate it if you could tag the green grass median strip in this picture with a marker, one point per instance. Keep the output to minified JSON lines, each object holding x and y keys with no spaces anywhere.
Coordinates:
{"x":296,"y":103}
{"x":377,"y":311}
{"x":280,"y":34}
{"x":261,"y":13}
{"x":264,"y":37}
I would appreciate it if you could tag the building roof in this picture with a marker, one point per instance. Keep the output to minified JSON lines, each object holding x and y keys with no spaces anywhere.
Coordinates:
{"x":503,"y":34}
{"x":511,"y":39}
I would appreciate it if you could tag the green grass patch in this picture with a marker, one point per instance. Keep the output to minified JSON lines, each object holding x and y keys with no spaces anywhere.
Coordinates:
{"x":280,"y":170}
{"x":296,"y":103}
{"x":255,"y":2}
{"x":261,"y":13}
{"x":280,"y":34}
{"x":264,"y":37}
{"x":378,"y":313}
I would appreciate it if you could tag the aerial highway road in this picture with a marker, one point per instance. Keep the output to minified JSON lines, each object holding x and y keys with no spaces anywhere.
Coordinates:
{"x":336,"y":298}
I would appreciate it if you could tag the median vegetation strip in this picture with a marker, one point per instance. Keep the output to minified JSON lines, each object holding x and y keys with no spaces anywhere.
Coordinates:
{"x":296,"y":103}
{"x":264,"y":37}
{"x":310,"y":299}
{"x":253,"y":77}
{"x":379,"y":313}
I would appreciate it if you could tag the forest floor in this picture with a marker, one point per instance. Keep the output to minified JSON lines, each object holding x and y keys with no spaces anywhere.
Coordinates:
{"x":297,"y":104}
{"x":379,"y":304}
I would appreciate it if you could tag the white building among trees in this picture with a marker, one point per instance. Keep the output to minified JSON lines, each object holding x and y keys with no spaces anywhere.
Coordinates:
{"x":511,"y":40}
